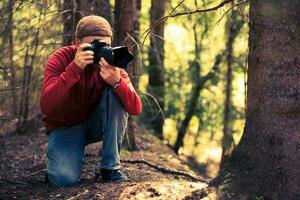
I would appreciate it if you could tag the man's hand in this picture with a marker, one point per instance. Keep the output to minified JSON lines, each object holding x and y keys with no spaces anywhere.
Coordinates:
{"x":83,"y":58}
{"x":109,"y":73}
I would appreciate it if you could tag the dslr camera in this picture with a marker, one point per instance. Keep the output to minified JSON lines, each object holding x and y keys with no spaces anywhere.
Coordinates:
{"x":117,"y":56}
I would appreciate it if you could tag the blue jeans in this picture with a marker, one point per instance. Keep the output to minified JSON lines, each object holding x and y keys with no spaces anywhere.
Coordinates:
{"x":66,"y":144}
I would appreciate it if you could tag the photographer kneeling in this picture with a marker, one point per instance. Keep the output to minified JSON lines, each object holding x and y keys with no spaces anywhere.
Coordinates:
{"x":83,"y":103}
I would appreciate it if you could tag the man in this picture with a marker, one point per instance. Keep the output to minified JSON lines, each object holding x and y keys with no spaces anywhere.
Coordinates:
{"x":83,"y":103}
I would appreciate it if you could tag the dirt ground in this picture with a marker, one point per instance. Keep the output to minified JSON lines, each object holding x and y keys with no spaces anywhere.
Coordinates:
{"x":23,"y":168}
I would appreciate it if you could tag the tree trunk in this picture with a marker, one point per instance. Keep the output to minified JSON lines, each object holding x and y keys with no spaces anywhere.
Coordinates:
{"x":266,"y":163}
{"x":193,"y":103}
{"x":23,"y":112}
{"x":71,"y":16}
{"x":10,"y":25}
{"x":96,"y":7}
{"x":74,"y":10}
{"x":197,"y":136}
{"x":127,"y":30}
{"x":156,"y":62}
{"x":200,"y":81}
{"x":234,"y":27}
{"x":29,"y":61}
{"x":105,"y":11}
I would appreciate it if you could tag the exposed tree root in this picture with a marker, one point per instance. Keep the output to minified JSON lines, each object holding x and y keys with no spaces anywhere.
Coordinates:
{"x":167,"y":171}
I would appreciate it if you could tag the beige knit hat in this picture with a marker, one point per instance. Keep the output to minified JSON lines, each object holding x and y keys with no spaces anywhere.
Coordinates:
{"x":93,"y":26}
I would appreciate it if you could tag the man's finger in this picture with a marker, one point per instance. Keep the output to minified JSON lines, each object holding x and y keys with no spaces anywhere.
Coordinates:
{"x":103,"y":69}
{"x":103,"y":75}
{"x":87,"y":62}
{"x":86,"y":53}
{"x":88,"y":58}
{"x":84,"y":45}
{"x":105,"y":63}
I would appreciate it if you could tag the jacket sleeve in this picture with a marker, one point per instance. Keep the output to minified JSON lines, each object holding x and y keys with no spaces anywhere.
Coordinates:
{"x":58,"y":80}
{"x":129,"y":98}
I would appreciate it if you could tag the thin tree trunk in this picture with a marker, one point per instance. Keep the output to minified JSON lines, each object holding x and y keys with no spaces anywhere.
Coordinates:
{"x":24,"y":103}
{"x":126,"y":30}
{"x":105,"y":11}
{"x":195,"y":70}
{"x":71,"y":16}
{"x":12,"y":68}
{"x":227,"y":140}
{"x":74,"y":10}
{"x":193,"y":103}
{"x":199,"y":131}
{"x":266,"y":163}
{"x":23,"y":113}
{"x":96,"y":7}
{"x":68,"y":16}
{"x":156,"y":62}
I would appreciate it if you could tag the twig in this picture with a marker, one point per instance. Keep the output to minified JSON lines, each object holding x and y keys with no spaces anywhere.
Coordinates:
{"x":155,"y":23}
{"x":22,"y":180}
{"x":7,"y":118}
{"x":7,"y":89}
{"x":134,"y":41}
{"x":86,"y":172}
{"x":198,"y":10}
{"x":227,"y":11}
{"x":176,"y":6}
{"x":156,"y":102}
{"x":33,"y":174}
{"x":184,"y":13}
{"x":16,"y":182}
{"x":78,"y":195}
{"x":25,"y":158}
{"x":147,"y":32}
{"x":148,"y":103}
{"x":166,"y":171}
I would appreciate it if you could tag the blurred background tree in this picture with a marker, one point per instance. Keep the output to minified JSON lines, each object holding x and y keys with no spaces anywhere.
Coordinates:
{"x":156,"y":65}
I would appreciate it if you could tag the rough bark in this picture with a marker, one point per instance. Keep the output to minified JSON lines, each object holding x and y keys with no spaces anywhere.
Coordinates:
{"x":156,"y":62}
{"x":266,"y":162}
{"x":126,"y":33}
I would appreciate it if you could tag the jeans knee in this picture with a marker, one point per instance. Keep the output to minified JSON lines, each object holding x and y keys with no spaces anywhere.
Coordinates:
{"x":63,"y":179}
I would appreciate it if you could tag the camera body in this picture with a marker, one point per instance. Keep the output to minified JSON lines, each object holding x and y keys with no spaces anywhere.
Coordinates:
{"x":117,"y":56}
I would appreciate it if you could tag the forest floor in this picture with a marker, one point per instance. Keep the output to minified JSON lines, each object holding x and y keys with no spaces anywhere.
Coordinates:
{"x":154,"y":171}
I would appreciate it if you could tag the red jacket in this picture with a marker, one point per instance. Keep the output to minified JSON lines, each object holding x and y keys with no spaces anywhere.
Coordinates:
{"x":70,"y":94}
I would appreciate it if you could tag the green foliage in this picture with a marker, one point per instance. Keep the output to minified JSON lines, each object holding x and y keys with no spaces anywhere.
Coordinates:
{"x":182,"y":67}
{"x":36,"y":33}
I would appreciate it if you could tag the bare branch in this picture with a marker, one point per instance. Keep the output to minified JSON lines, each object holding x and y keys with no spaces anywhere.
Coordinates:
{"x":228,"y":10}
{"x":156,"y":23}
{"x":156,"y":102}
{"x":160,"y":20}
{"x":3,"y":118}
{"x":8,"y":89}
